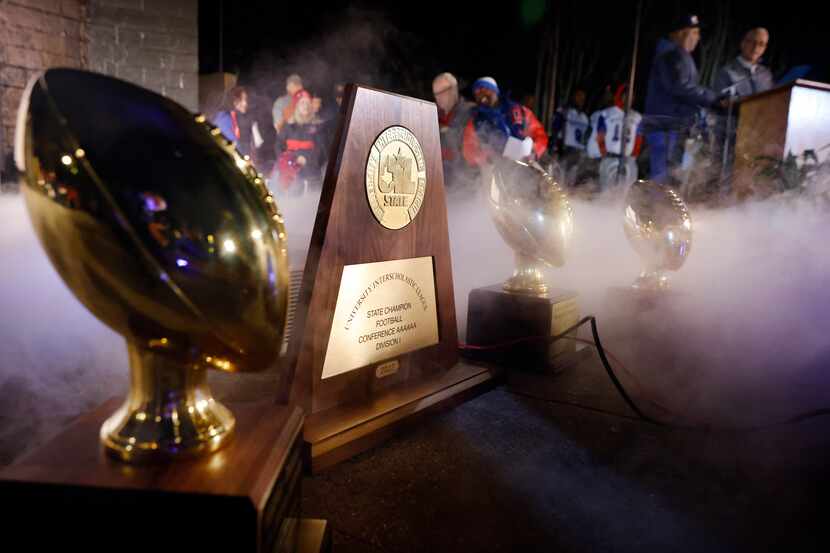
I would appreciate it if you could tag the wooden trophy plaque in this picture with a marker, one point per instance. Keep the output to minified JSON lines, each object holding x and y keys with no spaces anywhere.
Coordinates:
{"x":375,"y":339}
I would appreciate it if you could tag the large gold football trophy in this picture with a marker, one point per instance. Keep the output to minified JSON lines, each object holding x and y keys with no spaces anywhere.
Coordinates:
{"x":167,"y":235}
{"x":659,"y":227}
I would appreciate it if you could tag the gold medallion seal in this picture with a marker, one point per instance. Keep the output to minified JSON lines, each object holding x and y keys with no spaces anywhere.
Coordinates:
{"x":396,"y":177}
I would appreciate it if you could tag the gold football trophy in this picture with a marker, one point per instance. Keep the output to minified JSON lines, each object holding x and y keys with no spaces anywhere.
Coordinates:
{"x":533,"y":216}
{"x":166,"y":234}
{"x":659,"y":227}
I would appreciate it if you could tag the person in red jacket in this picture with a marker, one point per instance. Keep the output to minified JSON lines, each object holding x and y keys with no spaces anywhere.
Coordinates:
{"x":494,"y":120}
{"x":300,"y":148}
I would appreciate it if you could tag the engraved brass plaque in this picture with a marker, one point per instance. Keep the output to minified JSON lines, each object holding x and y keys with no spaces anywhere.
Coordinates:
{"x":387,"y":369}
{"x":383,"y":310}
{"x":395,"y":177}
{"x":564,"y":314}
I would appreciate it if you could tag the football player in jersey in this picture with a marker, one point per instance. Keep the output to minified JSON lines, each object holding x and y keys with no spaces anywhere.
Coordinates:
{"x":570,"y":129}
{"x":619,"y":139}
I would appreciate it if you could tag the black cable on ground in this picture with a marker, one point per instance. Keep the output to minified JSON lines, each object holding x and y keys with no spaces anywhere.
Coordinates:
{"x":597,"y":344}
{"x":617,"y":384}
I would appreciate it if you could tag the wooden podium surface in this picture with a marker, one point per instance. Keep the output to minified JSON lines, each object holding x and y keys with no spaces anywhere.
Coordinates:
{"x":244,"y":497}
{"x":787,"y":119}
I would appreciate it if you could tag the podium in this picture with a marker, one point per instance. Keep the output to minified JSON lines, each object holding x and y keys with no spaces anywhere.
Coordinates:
{"x":788,"y":119}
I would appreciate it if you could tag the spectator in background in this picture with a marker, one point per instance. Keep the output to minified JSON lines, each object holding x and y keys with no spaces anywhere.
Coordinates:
{"x":235,"y":124}
{"x":614,"y":131}
{"x":281,"y":111}
{"x":592,"y":146}
{"x":453,"y":114}
{"x":529,"y":101}
{"x":570,"y":133}
{"x":494,"y":120}
{"x":745,"y":74}
{"x":299,"y":148}
{"x":339,"y":90}
{"x":674,"y":97}
{"x":329,"y":116}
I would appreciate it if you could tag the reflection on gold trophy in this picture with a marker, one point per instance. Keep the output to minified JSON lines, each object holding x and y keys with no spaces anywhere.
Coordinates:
{"x":533,"y":215}
{"x":659,"y":227}
{"x":168,"y":236}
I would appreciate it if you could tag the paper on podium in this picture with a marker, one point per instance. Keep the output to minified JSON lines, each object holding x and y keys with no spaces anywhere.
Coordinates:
{"x":517,"y":149}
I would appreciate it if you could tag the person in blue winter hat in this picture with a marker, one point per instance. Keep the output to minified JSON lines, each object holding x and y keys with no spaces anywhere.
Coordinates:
{"x":495,"y":119}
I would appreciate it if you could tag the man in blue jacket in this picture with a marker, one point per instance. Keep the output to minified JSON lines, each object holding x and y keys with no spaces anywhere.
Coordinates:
{"x":674,"y":96}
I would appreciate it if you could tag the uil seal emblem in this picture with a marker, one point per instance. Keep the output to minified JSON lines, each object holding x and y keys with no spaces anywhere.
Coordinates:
{"x":395,"y":177}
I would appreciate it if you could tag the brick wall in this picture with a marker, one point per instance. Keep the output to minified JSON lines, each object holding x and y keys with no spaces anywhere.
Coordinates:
{"x":34,"y":34}
{"x":153,"y":43}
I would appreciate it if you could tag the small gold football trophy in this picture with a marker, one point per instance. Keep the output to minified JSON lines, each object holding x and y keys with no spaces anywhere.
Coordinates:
{"x":534,"y":217}
{"x":165,"y":233}
{"x":659,"y":227}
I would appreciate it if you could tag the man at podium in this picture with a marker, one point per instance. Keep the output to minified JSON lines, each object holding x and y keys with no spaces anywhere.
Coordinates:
{"x":744,"y":75}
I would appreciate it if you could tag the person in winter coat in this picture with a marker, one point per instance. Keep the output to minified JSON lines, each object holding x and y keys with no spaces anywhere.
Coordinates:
{"x":300,"y":147}
{"x":453,"y":114}
{"x":674,"y":97}
{"x":494,"y":120}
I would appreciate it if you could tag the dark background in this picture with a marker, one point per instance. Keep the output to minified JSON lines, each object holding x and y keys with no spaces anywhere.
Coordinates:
{"x":401,"y":46}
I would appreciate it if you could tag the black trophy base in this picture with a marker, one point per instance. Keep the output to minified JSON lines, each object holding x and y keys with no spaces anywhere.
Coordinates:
{"x":495,"y":318}
{"x":627,"y":300}
{"x":69,"y":495}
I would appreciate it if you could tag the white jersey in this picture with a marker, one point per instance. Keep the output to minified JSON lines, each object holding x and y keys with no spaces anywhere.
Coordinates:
{"x":592,"y":146}
{"x":575,"y":128}
{"x":610,"y":121}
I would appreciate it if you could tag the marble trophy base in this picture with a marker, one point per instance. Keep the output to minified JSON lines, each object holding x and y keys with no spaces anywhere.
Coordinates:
{"x":70,"y":495}
{"x":495,"y":316}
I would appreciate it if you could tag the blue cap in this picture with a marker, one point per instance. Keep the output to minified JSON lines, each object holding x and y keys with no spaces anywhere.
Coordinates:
{"x":488,"y":83}
{"x":685,"y":21}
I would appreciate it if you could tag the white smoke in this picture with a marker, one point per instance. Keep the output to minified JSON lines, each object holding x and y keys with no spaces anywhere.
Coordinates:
{"x":742,"y":341}
{"x":56,"y":360}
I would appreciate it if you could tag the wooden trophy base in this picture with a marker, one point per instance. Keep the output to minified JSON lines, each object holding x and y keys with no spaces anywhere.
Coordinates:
{"x":313,"y":536}
{"x":496,"y":317}
{"x":338,"y":433}
{"x":245,"y":497}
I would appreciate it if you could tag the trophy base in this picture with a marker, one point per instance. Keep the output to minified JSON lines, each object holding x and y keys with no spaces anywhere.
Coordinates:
{"x":70,"y":494}
{"x":496,"y":317}
{"x":622,"y":300}
{"x":198,"y":429}
{"x":169,"y":412}
{"x":338,"y":433}
{"x":313,"y":536}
